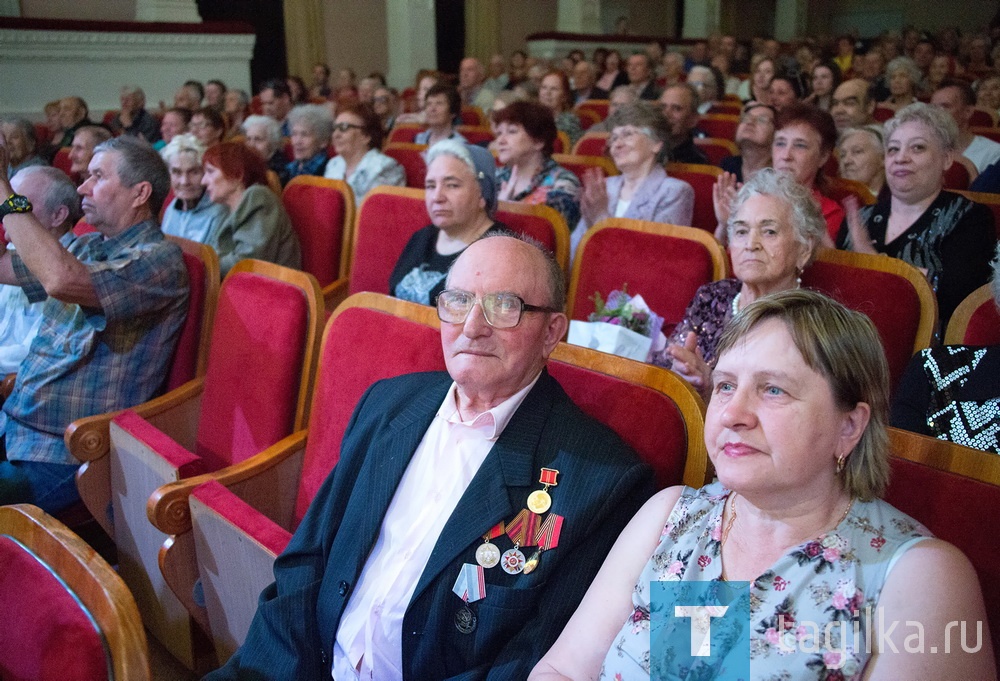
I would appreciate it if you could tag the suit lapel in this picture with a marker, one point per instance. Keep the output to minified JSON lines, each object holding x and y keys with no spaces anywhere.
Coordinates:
{"x":498,"y":489}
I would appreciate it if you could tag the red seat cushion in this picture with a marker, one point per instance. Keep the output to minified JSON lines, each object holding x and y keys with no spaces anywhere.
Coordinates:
{"x":185,"y":363}
{"x":959,"y":510}
{"x":385,"y":223}
{"x":591,"y":145}
{"x":625,"y":408}
{"x":243,"y":516}
{"x":888,"y":300}
{"x":984,"y":325}
{"x":400,"y":346}
{"x":538,"y":228}
{"x":318,"y":215}
{"x":49,"y":635}
{"x":254,"y":368}
{"x":665,"y":270}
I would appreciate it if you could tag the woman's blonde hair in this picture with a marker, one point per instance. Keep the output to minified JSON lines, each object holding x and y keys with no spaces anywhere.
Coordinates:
{"x":844,"y":347}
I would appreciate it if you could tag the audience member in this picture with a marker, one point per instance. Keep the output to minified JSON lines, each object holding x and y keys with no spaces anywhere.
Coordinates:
{"x":53,"y":121}
{"x":526,"y":134}
{"x":640,"y":76}
{"x":471,"y":88}
{"x":754,"y":137}
{"x":357,"y":141}
{"x":923,"y":54}
{"x":368,"y":85}
{"x":851,"y":106}
{"x":424,"y":85}
{"x":556,"y":96}
{"x":442,"y":105}
{"x":257,"y":225}
{"x":904,"y":79}
{"x":386,"y":106}
{"x":311,"y":126}
{"x":873,"y":71}
{"x":215,"y":95}
{"x":132,"y":118}
{"x":397,"y":615}
{"x":757,"y":88}
{"x":988,"y":94}
{"x":85,"y":141}
{"x":706,"y":85}
{"x":638,"y":145}
{"x":276,"y":102}
{"x":861,"y":154}
{"x":189,"y":96}
{"x":263,"y":134}
{"x":612,"y":74}
{"x":297,"y":90}
{"x":320,"y":87}
{"x":956,"y":97}
{"x":175,"y":121}
{"x":622,"y":95}
{"x":56,"y":205}
{"x":236,"y":109}
{"x":945,"y":234}
{"x":73,"y":115}
{"x":584,"y":83}
{"x":845,"y":54}
{"x":942,"y":68}
{"x":496,"y":74}
{"x":680,"y":107}
{"x":724,"y":65}
{"x":115,"y":304}
{"x":22,"y":146}
{"x":784,"y":91}
{"x":825,"y":78}
{"x":208,"y":126}
{"x":191,"y":214}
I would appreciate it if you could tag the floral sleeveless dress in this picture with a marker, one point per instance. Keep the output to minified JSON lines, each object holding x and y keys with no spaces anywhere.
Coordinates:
{"x":822,"y":580}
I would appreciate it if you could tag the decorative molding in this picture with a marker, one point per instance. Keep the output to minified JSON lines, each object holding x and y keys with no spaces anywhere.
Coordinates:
{"x":21,"y":45}
{"x":184,"y":11}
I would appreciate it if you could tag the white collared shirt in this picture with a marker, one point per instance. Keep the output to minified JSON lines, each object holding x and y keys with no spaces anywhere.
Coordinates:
{"x":369,"y":642}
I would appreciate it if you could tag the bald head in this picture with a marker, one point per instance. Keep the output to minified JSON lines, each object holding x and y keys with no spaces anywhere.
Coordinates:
{"x":851,"y":105}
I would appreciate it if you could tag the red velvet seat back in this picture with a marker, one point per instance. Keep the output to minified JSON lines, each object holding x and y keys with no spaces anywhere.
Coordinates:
{"x":980,"y":118}
{"x":254,"y":368}
{"x":984,"y":325}
{"x":598,"y":106}
{"x":591,"y":144}
{"x":959,"y":510}
{"x":412,"y":160}
{"x":385,"y":223}
{"x":883,"y":113}
{"x":721,"y":126}
{"x":888,"y":299}
{"x":476,"y":134}
{"x":62,"y":162}
{"x":956,"y":177}
{"x":318,"y":214}
{"x":702,"y":179}
{"x":48,"y":634}
{"x":404,"y":133}
{"x":666,"y":270}
{"x":472,"y":115}
{"x":361,"y":347}
{"x":626,"y":408}
{"x":537,"y":227}
{"x":716,"y":149}
{"x":185,"y":363}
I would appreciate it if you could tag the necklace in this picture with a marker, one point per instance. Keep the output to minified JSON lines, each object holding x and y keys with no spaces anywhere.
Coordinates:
{"x":732,"y":521}
{"x":736,"y":304}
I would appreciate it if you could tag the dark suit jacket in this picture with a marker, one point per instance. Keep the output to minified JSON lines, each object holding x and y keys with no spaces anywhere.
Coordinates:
{"x":601,"y":485}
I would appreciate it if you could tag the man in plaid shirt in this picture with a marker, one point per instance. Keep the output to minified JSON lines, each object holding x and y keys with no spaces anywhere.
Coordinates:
{"x":115,"y":302}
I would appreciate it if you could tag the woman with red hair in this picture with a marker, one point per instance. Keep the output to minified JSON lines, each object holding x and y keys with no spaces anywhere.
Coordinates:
{"x":258,"y":226}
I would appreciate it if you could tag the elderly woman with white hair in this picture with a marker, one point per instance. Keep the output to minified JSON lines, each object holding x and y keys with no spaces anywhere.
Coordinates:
{"x":705,"y":83}
{"x":952,"y":392}
{"x":263,"y":134}
{"x":461,"y":198}
{"x":774,"y":230}
{"x":904,"y":78}
{"x":311,"y":126}
{"x":861,"y":155}
{"x":945,"y":234}
{"x":192,"y":214}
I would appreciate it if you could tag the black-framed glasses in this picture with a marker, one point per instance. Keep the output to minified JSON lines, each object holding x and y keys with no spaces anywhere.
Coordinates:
{"x":501,"y":310}
{"x":344,"y":126}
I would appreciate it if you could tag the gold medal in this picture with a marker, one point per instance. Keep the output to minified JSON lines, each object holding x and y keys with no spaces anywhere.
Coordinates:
{"x":532,"y":563}
{"x":488,"y":555}
{"x":539,"y":501}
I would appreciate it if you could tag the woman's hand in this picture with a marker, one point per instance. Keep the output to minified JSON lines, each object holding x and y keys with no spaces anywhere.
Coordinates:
{"x":594,"y":199}
{"x":690,"y":364}
{"x":861,"y":240}
{"x":507,"y":188}
{"x":723,"y":192}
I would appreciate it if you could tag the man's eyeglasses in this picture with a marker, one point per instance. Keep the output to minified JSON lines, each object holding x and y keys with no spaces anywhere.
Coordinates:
{"x":759,"y":120}
{"x":502,"y":310}
{"x":344,"y":126}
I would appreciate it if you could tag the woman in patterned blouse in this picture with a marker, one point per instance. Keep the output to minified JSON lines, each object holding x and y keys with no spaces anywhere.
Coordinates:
{"x":792,"y":538}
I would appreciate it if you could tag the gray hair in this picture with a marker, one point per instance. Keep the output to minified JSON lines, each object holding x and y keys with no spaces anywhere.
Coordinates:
{"x":139,"y":162}
{"x":994,"y":282}
{"x":873,"y":131}
{"x":808,"y":224}
{"x":450,"y":147}
{"x":184,"y":143}
{"x":27,"y":129}
{"x":134,"y":90}
{"x":647,"y":117}
{"x":315,"y":116}
{"x":709,"y":76}
{"x":97,"y":132}
{"x":907,"y":65}
{"x":271,"y":127}
{"x":941,"y":123}
{"x":625,"y":89}
{"x":60,"y":191}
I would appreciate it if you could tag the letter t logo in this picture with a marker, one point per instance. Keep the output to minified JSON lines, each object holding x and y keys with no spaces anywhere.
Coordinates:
{"x":701,"y":625}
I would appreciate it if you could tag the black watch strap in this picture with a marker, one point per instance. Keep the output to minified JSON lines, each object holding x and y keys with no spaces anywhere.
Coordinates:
{"x":15,"y":203}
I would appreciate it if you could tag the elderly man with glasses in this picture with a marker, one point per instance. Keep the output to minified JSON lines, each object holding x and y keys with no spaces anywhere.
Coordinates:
{"x":469,"y":509}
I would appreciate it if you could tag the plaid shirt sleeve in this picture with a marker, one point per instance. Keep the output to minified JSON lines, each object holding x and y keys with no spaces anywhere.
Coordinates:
{"x":144,"y":280}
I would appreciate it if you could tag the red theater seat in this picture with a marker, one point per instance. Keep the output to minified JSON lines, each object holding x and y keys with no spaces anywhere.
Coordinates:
{"x":975,"y":321}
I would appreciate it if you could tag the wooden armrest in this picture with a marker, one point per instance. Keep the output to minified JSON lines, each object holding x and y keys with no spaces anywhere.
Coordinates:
{"x":89,"y":438}
{"x":335,"y":294}
{"x":167,"y":508}
{"x":7,"y":385}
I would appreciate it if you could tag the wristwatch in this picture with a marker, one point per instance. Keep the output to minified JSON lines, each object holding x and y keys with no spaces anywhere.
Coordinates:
{"x":15,"y":203}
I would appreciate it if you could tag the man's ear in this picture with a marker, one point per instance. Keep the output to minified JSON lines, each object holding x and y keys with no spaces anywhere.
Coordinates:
{"x":142,"y":192}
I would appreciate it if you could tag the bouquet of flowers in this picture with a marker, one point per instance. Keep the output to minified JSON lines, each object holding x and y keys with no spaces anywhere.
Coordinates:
{"x":622,"y":325}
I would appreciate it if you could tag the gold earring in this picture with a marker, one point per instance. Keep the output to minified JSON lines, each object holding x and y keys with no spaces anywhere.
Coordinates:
{"x":841,"y":462}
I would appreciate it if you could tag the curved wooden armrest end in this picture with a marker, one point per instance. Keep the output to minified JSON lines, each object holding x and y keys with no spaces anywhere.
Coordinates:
{"x":168,"y":509}
{"x":335,"y":293}
{"x":89,"y":438}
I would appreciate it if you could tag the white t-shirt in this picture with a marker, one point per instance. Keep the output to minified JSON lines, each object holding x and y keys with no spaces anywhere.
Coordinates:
{"x":983,"y":152}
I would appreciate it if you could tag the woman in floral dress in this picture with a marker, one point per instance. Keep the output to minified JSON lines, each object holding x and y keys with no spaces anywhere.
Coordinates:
{"x":796,"y":431}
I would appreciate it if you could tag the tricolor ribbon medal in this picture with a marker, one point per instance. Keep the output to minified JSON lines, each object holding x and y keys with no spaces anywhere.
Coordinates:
{"x":539,"y":501}
{"x":470,"y":587}
{"x":521,"y":531}
{"x":547,"y":538}
{"x":488,"y":555}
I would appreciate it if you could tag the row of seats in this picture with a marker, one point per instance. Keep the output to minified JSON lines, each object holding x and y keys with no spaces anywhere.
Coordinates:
{"x":206,"y":484}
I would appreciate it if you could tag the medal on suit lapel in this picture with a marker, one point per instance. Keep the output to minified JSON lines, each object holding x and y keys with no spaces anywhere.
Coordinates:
{"x":547,"y":537}
{"x":488,"y":555}
{"x":470,"y":587}
{"x":521,"y":531}
{"x":539,"y":501}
